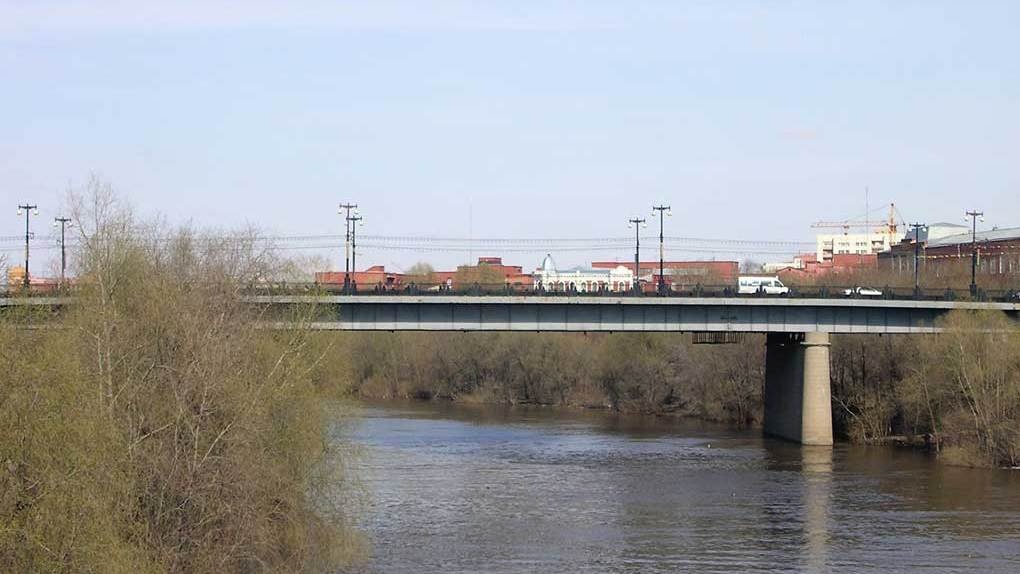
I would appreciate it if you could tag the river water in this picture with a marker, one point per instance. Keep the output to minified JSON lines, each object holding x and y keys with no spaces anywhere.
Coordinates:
{"x":460,"y":488}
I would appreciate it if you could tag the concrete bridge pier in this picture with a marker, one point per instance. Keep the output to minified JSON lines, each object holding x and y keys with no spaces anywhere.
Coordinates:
{"x":797,"y":394}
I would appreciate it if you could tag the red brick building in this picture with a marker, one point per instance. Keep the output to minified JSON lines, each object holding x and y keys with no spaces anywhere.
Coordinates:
{"x":370,"y":278}
{"x":487,"y":270}
{"x":807,"y":265}
{"x":998,"y":254}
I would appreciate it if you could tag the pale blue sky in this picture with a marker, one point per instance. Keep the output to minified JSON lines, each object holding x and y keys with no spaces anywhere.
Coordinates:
{"x":552,"y":119}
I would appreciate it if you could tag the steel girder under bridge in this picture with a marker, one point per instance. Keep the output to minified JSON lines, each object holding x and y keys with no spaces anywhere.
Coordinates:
{"x":617,"y":314}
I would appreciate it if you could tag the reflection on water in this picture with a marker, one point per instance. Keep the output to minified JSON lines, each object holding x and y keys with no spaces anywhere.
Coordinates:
{"x":816,"y":468}
{"x":488,"y":489}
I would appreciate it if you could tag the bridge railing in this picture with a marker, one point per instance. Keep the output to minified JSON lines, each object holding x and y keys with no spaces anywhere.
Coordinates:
{"x":504,"y":289}
{"x":695,"y":290}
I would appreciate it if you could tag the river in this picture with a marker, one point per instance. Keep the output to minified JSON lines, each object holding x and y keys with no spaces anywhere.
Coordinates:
{"x":463,"y":488}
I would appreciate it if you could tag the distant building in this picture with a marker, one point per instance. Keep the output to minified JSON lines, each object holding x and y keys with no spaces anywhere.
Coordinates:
{"x":374,"y":276}
{"x":487,"y":270}
{"x":937,"y":231}
{"x":678,"y":274}
{"x":998,"y":252}
{"x":828,"y":246}
{"x":582,"y":279}
{"x":16,"y":279}
{"x":807,"y":265}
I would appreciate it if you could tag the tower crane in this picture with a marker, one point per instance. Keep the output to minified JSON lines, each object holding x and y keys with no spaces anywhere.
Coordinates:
{"x":891,"y":226}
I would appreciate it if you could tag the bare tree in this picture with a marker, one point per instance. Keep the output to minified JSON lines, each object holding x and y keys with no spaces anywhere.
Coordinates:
{"x":196,"y":439}
{"x":750,"y":266}
{"x":420,"y":273}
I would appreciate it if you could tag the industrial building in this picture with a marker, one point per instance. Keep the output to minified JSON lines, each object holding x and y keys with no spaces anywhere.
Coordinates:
{"x":374,"y":276}
{"x":488,"y":270}
{"x":998,"y":253}
{"x":807,"y":265}
{"x":679,"y":274}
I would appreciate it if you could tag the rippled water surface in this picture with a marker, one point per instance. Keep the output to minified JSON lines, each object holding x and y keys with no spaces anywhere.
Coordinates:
{"x":480,"y":489}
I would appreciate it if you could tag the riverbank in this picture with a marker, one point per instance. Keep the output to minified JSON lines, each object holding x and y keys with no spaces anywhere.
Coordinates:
{"x":633,"y":373}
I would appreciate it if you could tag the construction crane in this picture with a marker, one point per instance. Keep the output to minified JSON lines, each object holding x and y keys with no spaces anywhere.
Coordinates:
{"x":891,"y":226}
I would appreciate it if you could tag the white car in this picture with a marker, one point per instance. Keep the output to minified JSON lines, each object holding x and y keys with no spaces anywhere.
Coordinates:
{"x":755,"y":284}
{"x":862,"y":292}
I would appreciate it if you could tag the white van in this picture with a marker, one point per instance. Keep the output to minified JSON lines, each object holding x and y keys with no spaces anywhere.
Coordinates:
{"x":751,"y":284}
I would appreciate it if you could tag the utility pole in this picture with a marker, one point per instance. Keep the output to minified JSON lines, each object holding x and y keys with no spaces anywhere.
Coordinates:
{"x":662,"y":209}
{"x":356,"y":221}
{"x":917,"y":227}
{"x":974,"y":215}
{"x":638,"y":224}
{"x":29,"y":210}
{"x":64,"y":223}
{"x":345,"y":210}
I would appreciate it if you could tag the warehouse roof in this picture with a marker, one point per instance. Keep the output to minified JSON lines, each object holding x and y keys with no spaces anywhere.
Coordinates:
{"x":1004,"y":234}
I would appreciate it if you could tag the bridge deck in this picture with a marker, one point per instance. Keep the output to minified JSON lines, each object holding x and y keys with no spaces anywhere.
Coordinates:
{"x":611,"y":314}
{"x":608,"y":314}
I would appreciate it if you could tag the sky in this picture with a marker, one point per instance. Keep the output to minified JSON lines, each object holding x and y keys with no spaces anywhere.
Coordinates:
{"x":516,"y":119}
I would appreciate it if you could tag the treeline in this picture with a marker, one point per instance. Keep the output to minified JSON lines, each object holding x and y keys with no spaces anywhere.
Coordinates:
{"x":645,"y":373}
{"x":155,"y":428}
{"x":959,"y":392}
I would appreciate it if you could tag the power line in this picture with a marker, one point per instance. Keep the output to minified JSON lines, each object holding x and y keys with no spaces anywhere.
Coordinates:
{"x":494,"y":241}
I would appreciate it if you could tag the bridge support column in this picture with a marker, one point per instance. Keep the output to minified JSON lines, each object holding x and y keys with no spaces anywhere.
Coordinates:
{"x":797,"y":394}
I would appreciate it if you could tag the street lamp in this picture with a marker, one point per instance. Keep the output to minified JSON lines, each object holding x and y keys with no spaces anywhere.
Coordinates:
{"x":345,"y":210}
{"x":974,"y":215}
{"x":668,"y":211}
{"x":64,"y":223}
{"x":33,"y":210}
{"x":917,"y":252}
{"x":638,"y":224}
{"x":356,"y":222}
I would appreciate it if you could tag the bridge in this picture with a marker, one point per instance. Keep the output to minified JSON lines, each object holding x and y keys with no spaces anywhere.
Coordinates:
{"x":622,"y":314}
{"x":797,"y":395}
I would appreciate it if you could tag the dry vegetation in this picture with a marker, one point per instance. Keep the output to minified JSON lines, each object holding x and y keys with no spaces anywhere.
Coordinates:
{"x":159,"y":430}
{"x":646,"y":373}
{"x":959,"y":392}
{"x":960,"y":389}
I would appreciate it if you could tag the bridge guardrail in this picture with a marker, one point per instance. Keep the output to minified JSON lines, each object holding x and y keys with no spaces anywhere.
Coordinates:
{"x":502,"y":289}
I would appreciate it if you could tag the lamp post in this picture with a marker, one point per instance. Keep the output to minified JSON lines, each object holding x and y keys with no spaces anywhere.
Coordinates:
{"x":28,"y":209}
{"x":974,"y":215}
{"x":638,"y":224}
{"x":356,"y":221}
{"x":662,"y":209}
{"x":64,"y":223}
{"x":917,"y":227}
{"x":345,"y":210}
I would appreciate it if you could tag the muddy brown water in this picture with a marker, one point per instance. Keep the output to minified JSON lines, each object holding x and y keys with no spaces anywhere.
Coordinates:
{"x":461,"y":488}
